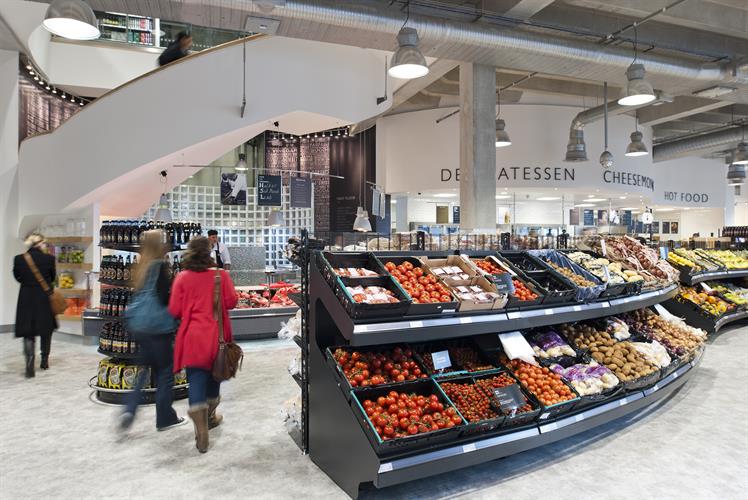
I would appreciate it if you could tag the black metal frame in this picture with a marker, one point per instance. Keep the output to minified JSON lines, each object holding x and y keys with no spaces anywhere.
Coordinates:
{"x":333,"y":437}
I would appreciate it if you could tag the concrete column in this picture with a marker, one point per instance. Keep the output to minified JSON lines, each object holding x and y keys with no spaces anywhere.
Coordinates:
{"x":477,"y":147}
{"x":401,"y":213}
{"x":9,"y":242}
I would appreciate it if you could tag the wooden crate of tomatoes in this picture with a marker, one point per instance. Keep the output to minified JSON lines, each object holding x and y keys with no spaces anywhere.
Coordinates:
{"x":409,"y":416}
{"x":428,"y":293}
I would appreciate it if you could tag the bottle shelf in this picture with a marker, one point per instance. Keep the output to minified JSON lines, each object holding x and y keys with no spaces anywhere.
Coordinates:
{"x":116,"y":283}
{"x":118,"y":355}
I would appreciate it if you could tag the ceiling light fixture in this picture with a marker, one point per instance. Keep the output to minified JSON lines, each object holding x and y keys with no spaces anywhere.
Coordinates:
{"x":445,"y":195}
{"x":638,"y":90}
{"x":595,"y":199}
{"x":636,"y":147}
{"x":740,"y":156}
{"x":736,"y":174}
{"x":163,"y":213}
{"x":503,"y":196}
{"x":582,"y":205}
{"x":54,"y":91}
{"x":408,"y":61}
{"x":71,"y":19}
{"x":31,"y":73}
{"x":549,"y":198}
{"x":502,"y":137}
{"x":606,"y":157}
{"x":241,"y":165}
{"x":362,"y":222}
{"x":28,"y":66}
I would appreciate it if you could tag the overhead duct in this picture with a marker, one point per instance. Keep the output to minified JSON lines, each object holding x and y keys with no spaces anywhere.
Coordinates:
{"x":576,"y":149}
{"x":692,"y":145}
{"x":460,"y":40}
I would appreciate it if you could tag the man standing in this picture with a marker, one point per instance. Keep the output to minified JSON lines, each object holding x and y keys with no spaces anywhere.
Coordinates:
{"x":220,"y":252}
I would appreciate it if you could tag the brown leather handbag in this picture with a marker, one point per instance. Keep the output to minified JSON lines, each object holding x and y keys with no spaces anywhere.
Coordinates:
{"x":56,"y":300}
{"x":230,"y":356}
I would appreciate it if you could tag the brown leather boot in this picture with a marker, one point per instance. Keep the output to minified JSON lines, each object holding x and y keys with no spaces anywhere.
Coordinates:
{"x":214,"y":419}
{"x":199,"y":416}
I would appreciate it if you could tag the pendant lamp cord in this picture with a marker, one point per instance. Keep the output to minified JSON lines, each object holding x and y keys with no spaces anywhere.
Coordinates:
{"x":244,"y":77}
{"x":407,"y":13}
{"x":498,"y":100}
{"x":605,"y":111}
{"x":636,"y":40}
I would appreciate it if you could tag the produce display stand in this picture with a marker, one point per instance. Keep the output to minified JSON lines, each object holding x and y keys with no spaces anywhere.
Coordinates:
{"x":691,"y":279}
{"x":691,"y":314}
{"x":336,"y":441}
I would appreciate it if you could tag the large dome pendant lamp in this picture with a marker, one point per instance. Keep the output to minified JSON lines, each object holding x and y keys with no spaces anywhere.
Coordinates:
{"x":408,"y":61}
{"x":72,"y":19}
{"x":740,"y":156}
{"x":636,"y":147}
{"x":638,"y":90}
{"x":362,"y":223}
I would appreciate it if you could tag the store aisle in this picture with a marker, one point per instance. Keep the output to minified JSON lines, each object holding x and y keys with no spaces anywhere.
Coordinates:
{"x":55,"y":443}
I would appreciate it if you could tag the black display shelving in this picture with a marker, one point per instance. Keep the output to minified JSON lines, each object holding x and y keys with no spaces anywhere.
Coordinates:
{"x":118,"y":355}
{"x":117,"y":283}
{"x":699,"y":319}
{"x":335,"y":439}
{"x":119,"y":396}
{"x":134,"y":248}
{"x":691,"y":279}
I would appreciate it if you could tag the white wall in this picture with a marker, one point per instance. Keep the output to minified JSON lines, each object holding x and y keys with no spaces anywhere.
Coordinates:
{"x":9,"y":243}
{"x":702,"y":221}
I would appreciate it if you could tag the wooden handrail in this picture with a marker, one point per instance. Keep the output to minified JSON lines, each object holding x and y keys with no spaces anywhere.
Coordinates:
{"x":190,"y":57}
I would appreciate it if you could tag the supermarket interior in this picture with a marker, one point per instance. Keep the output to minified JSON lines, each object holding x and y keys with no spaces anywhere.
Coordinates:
{"x":406,"y":248}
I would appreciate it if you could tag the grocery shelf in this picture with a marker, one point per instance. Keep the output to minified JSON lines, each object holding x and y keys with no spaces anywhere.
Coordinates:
{"x":259,"y":323}
{"x":696,"y":319}
{"x":132,"y":248}
{"x":116,"y":283}
{"x":297,"y":378}
{"x":70,"y":317}
{"x":71,"y":266}
{"x":297,"y":340}
{"x":119,"y":396}
{"x":692,"y":279}
{"x":118,"y":355}
{"x":413,"y":329}
{"x":72,"y":292}
{"x":65,"y":240}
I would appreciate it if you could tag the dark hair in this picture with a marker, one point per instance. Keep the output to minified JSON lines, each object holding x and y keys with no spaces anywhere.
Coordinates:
{"x":212,"y":232}
{"x":182,"y":35}
{"x":198,"y":255}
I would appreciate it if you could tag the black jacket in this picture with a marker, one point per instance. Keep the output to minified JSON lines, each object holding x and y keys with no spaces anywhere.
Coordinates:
{"x":171,"y":53}
{"x":33,"y":312}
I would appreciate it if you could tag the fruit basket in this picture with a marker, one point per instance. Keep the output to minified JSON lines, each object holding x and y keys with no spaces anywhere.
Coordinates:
{"x":388,"y":442}
{"x":357,"y":309}
{"x":359,"y":366}
{"x":418,"y":306}
{"x":464,"y":355}
{"x":588,"y":286}
{"x":465,"y":392}
{"x":349,"y":265}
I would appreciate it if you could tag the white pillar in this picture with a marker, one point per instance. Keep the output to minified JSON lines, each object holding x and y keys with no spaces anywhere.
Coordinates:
{"x":477,"y":147}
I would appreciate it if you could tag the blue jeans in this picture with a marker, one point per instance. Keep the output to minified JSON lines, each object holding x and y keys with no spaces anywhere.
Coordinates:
{"x":202,"y":386}
{"x":157,"y":353}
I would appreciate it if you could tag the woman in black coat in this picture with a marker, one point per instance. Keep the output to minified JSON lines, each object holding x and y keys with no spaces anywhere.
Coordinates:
{"x":34,"y":313}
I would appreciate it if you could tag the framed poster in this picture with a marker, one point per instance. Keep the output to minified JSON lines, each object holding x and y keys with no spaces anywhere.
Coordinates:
{"x":269,"y":190}
{"x":666,"y":228}
{"x":233,"y":188}
{"x":674,"y":229}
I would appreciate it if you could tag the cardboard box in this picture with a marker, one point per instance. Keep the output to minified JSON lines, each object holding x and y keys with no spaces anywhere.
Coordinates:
{"x":451,"y":261}
{"x":486,"y":286}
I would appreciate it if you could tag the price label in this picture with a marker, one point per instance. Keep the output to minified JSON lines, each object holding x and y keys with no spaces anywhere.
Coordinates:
{"x":514,"y":315}
{"x":706,"y":287}
{"x":577,"y":308}
{"x":416,"y":324}
{"x":441,"y":360}
{"x":466,"y":321}
{"x":661,"y":310}
{"x":549,"y":312}
{"x":504,"y":283}
{"x":579,"y":418}
{"x":509,"y":398}
{"x":603,"y":248}
{"x":468,"y":448}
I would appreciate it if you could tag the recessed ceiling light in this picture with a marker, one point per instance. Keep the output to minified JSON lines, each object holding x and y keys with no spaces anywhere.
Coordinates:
{"x":548,"y":198}
{"x":28,"y":66}
{"x":502,"y":196}
{"x":584,"y":205}
{"x":664,"y":209}
{"x":445,"y":195}
{"x":629,"y":208}
{"x":621,"y":197}
{"x":595,"y":199}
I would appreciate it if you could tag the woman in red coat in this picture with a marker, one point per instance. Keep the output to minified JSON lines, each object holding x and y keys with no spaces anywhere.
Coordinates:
{"x":196,"y":344}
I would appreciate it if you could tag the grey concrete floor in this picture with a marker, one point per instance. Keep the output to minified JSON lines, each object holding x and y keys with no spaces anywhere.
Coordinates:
{"x":56,"y":443}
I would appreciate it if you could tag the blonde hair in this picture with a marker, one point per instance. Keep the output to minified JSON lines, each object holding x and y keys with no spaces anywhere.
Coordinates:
{"x":34,"y":240}
{"x":152,"y":248}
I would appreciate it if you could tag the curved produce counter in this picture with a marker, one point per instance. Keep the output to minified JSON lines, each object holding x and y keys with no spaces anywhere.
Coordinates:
{"x":338,"y":443}
{"x":692,"y":279}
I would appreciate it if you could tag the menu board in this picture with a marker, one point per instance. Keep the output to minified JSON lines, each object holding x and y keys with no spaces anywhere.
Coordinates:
{"x":455,"y":214}
{"x":666,"y":228}
{"x":626,"y":218}
{"x":574,"y":216}
{"x":269,"y":190}
{"x":301,"y":192}
{"x":589,"y":217}
{"x":656,"y":227}
{"x":639,"y":227}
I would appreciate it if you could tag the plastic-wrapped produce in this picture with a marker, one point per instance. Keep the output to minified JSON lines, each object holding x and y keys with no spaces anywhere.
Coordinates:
{"x":655,"y":353}
{"x":587,"y":379}
{"x":550,"y":345}
{"x":617,"y":328}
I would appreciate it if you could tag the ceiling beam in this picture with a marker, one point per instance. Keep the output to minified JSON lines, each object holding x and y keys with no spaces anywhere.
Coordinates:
{"x":438,"y":69}
{"x":681,"y":107}
{"x":525,"y":9}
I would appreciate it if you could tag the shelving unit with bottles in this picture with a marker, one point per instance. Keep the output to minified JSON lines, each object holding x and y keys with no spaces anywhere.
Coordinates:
{"x":127,"y":28}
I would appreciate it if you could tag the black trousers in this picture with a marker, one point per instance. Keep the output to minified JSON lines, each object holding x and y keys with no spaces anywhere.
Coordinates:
{"x":46,"y":344}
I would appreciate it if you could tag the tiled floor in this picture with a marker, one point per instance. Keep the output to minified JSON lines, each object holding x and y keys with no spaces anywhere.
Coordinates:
{"x":56,"y":443}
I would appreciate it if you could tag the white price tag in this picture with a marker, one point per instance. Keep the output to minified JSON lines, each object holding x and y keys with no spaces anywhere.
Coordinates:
{"x":466,"y":321}
{"x":416,"y":324}
{"x":544,"y":416}
{"x":622,"y":402}
{"x":579,"y":418}
{"x":468,"y":448}
{"x":706,"y":287}
{"x":577,"y":308}
{"x":514,"y":315}
{"x":441,"y":360}
{"x":675,"y":375}
{"x":605,"y":304}
{"x":362,"y":328}
{"x":661,"y":310}
{"x":385,"y":467}
{"x":549,"y":312}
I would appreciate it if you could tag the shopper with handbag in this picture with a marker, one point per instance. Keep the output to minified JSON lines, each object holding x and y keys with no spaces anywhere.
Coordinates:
{"x":201,"y":298}
{"x":148,"y":320}
{"x":37,"y":301}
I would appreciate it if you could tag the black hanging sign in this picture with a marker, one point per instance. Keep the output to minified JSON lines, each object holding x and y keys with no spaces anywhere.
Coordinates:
{"x":301,"y":192}
{"x":589,"y":217}
{"x":269,"y":190}
{"x":509,"y":398}
{"x":456,"y":214}
{"x":504,"y":283}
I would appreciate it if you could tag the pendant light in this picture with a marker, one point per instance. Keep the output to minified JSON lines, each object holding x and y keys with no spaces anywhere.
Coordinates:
{"x":740,"y":157}
{"x":606,"y":158}
{"x":163,"y":213}
{"x":362,"y":222}
{"x":502,"y":137}
{"x":735,"y":174}
{"x":71,"y":19}
{"x":408,"y":61}
{"x":638,"y":90}
{"x":275,"y":218}
{"x":241,"y":165}
{"x":636,"y":147}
